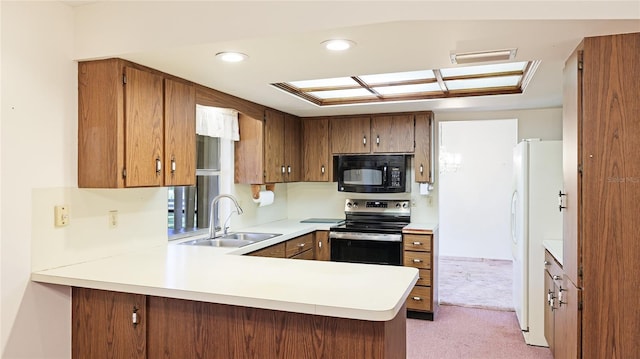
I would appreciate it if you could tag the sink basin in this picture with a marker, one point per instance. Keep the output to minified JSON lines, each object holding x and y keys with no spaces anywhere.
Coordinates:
{"x":235,"y":240}
{"x":250,"y":236}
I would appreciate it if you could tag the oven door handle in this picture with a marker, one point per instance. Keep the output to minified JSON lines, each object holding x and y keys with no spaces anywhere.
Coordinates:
{"x":359,"y":236}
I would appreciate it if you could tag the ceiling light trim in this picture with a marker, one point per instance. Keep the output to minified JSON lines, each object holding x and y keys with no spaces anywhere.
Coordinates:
{"x":232,"y":56}
{"x":338,"y":44}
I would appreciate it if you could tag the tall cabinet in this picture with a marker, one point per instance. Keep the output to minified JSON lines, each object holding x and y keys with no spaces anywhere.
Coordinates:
{"x":601,"y":198}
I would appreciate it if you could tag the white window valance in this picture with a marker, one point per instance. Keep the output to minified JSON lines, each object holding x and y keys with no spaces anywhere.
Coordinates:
{"x":217,"y":122}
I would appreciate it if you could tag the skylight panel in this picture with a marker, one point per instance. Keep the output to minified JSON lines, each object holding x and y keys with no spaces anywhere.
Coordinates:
{"x":483,"y":69}
{"x":397,"y":77}
{"x":408,"y":89}
{"x":349,"y":93}
{"x":332,"y":82}
{"x":487,"y":82}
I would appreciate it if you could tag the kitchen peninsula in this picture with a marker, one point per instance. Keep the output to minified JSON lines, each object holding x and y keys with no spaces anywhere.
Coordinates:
{"x":188,"y":301}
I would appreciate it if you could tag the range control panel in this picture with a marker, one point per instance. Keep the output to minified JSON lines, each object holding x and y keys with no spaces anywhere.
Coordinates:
{"x":377,"y":206}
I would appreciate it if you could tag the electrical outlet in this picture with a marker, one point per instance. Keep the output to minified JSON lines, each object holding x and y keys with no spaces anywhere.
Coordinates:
{"x":61,"y":215}
{"x":113,"y":219}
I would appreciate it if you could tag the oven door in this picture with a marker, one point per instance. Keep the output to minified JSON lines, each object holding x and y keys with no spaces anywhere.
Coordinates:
{"x":372,"y":248}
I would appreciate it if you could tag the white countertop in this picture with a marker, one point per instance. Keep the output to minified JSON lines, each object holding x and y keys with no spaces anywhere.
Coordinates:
{"x":221,"y":275}
{"x":427,"y":227}
{"x":554,"y":246}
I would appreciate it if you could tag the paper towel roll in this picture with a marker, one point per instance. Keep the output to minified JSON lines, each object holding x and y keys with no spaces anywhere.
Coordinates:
{"x":266,"y":198}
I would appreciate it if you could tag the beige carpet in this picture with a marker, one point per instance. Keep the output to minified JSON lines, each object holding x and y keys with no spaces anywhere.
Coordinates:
{"x":476,"y":283}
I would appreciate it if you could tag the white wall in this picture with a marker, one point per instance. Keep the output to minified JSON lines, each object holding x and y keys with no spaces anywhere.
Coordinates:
{"x":38,"y":150}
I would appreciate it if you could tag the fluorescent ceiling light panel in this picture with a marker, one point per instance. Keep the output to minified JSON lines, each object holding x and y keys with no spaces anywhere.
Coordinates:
{"x":397,"y":76}
{"x":332,"y":82}
{"x":483,"y":56}
{"x":341,"y":93}
{"x":407,"y":89}
{"x":483,"y":69}
{"x":489,"y":82}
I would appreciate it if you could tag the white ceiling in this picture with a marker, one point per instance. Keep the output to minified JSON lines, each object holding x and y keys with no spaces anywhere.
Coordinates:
{"x":281,"y":53}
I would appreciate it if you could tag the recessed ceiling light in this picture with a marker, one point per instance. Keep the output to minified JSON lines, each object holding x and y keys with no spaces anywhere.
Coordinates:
{"x":338,"y":44}
{"x":482,"y":56}
{"x":231,"y":56}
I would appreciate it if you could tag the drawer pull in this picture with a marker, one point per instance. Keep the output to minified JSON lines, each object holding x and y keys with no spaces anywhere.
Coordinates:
{"x":556,"y":277}
{"x":417,"y":261}
{"x":546,"y":263}
{"x":300,"y":245}
{"x":417,"y":299}
{"x":417,"y":243}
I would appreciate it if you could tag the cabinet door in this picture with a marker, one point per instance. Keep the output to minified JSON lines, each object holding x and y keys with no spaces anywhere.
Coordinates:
{"x":422,"y":158}
{"x":102,"y":325}
{"x":315,"y":150}
{"x":293,"y":147}
{"x":274,"y":146}
{"x":567,"y":322}
{"x":323,"y":246}
{"x":143,"y":128}
{"x":249,"y":151}
{"x":550,"y":297}
{"x":392,"y":133}
{"x":351,"y":135}
{"x":179,"y":134}
{"x":571,"y":129}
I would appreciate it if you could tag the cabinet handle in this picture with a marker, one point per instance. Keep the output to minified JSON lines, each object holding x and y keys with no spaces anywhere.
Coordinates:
{"x":173,"y":165}
{"x":560,"y":301}
{"x":283,"y":169}
{"x":556,"y":277}
{"x":288,"y":169}
{"x":546,"y":263}
{"x":158,"y":165}
{"x":364,"y":140}
{"x":322,"y":169}
{"x":134,"y":316}
{"x":417,"y":299}
{"x":560,"y":200}
{"x":417,"y":243}
{"x":300,"y":245}
{"x":378,"y":140}
{"x":319,"y":244}
{"x":417,"y":261}
{"x":421,"y":169}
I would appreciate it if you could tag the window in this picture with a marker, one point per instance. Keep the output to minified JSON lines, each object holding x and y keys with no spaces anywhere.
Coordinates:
{"x":483,"y":80}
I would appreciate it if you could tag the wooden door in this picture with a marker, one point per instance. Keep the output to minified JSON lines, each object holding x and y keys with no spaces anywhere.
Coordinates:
{"x":422,"y":158}
{"x":315,"y":150}
{"x":611,"y":196}
{"x":571,"y":152}
{"x":350,"y":135}
{"x":323,"y":246}
{"x":102,"y":325}
{"x":179,"y":134}
{"x":392,"y":133}
{"x":293,"y":148}
{"x":143,"y":128}
{"x":274,"y":146}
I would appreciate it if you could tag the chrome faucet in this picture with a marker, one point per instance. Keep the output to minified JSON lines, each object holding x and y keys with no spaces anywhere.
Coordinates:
{"x":212,"y":225}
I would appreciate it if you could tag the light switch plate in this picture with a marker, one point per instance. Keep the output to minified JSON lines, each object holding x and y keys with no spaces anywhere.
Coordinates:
{"x":61,"y":215}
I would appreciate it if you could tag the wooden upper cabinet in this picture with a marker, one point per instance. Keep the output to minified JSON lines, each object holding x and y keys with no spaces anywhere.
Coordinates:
{"x":274,"y":146}
{"x":350,"y":135}
{"x":422,"y":159}
{"x":133,"y":123}
{"x":249,"y":151}
{"x":391,"y":133}
{"x":292,"y":148}
{"x":179,"y":134}
{"x":315,"y":150}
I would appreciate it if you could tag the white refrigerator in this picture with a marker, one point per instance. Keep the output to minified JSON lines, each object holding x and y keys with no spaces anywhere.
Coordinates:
{"x":534,"y":217}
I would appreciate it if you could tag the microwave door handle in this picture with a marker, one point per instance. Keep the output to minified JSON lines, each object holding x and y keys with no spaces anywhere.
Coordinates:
{"x":384,"y":175}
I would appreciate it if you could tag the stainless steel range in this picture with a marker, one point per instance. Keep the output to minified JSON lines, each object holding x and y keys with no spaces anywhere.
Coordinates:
{"x":371,"y":233}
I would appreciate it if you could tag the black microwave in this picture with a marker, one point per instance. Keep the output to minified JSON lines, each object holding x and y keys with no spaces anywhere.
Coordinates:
{"x":372,"y":173}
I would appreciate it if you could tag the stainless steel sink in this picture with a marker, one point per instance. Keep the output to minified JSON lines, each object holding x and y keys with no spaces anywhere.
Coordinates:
{"x":250,"y":236}
{"x":235,"y":240}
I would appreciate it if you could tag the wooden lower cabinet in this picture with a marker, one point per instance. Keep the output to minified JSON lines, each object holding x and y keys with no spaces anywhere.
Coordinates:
{"x":176,"y":328}
{"x":102,"y":325}
{"x":302,"y":247}
{"x":420,"y":251}
{"x":323,"y":246}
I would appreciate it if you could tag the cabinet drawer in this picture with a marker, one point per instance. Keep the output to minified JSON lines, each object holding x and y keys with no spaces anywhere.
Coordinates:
{"x":276,"y":250}
{"x":552,"y":266}
{"x":424,"y":277}
{"x":308,"y":254}
{"x":417,"y":242}
{"x":298,"y":245}
{"x":420,"y":299}
{"x":417,"y":259}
